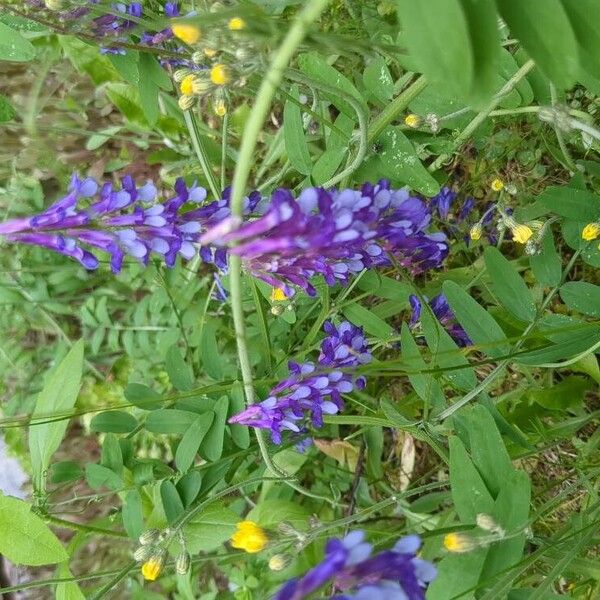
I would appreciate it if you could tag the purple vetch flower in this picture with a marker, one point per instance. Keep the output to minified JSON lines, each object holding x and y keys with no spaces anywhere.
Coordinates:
{"x":312,"y":390}
{"x":355,"y":573}
{"x":443,"y":201}
{"x":335,"y":233}
{"x":441,"y":309}
{"x":126,"y":221}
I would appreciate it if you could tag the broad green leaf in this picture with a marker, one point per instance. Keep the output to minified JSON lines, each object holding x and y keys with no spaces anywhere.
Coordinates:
{"x":13,"y":46}
{"x":143,"y":397}
{"x":582,"y":296}
{"x":211,"y":528}
{"x":239,"y":433}
{"x":65,"y":471}
{"x":24,"y":537}
{"x":584,"y":16}
{"x":447,"y":58}
{"x":476,"y":321}
{"x":132,"y":514}
{"x":373,"y":325}
{"x":112,"y":456}
{"x":68,"y":590}
{"x":172,"y":504}
{"x":127,"y":65}
{"x":113,"y":421}
{"x":211,"y":447}
{"x":508,"y":286}
{"x":180,"y":373}
{"x":212,"y":361}
{"x":567,"y":394}
{"x":7,"y":112}
{"x":270,"y":513}
{"x":98,"y":476}
{"x":189,"y":486}
{"x":457,"y":575}
{"x":294,"y":136}
{"x":546,"y":264}
{"x":576,"y":344}
{"x":21,"y":23}
{"x":378,"y":81}
{"x":191,"y":440}
{"x":542,"y":26}
{"x":566,"y":201}
{"x":170,"y":420}
{"x":148,"y":88}
{"x":127,"y":99}
{"x":57,"y":397}
{"x":400,"y":157}
{"x":590,"y":252}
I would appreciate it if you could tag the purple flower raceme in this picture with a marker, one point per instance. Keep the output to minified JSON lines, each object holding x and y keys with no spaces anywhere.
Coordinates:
{"x":335,"y":233}
{"x":441,"y":309}
{"x":126,"y":221}
{"x":312,"y":390}
{"x":356,"y":574}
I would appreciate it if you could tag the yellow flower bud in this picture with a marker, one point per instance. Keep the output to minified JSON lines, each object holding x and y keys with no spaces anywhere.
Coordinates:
{"x":476,"y":232}
{"x":186,"y":32}
{"x":236,"y":24}
{"x":278,"y":562}
{"x":219,"y":74}
{"x":209,"y":52}
{"x":187,"y":85}
{"x":590,"y":232}
{"x":459,"y":542}
{"x":278,"y":295}
{"x":220,"y":107}
{"x":153,"y":566}
{"x":412,"y":120}
{"x":249,"y":537}
{"x":497,"y":185}
{"x":186,"y":102}
{"x":521,"y":233}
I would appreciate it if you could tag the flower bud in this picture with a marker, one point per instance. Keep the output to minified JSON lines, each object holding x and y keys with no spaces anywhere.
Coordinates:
{"x":590,"y":232}
{"x":143,"y":553}
{"x":278,"y":562}
{"x":476,"y":232}
{"x":413,"y":121}
{"x":459,"y":543}
{"x":249,"y":537}
{"x":220,"y":107}
{"x":181,"y":74}
{"x":236,"y":24}
{"x":198,"y":57}
{"x":150,"y":536}
{"x":497,"y":185}
{"x":487,"y":523}
{"x":153,"y":566}
{"x":53,"y":4}
{"x":531,"y":248}
{"x":186,"y":102}
{"x":182,"y":563}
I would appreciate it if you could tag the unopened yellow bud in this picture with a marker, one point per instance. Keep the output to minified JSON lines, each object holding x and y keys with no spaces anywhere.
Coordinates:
{"x":187,"y":85}
{"x":278,"y":562}
{"x":153,"y":566}
{"x":459,"y":542}
{"x":189,"y":34}
{"x":278,"y":295}
{"x":220,"y":107}
{"x":412,"y":120}
{"x":219,"y":74}
{"x":476,"y":232}
{"x":497,"y":185}
{"x":209,"y":52}
{"x":590,"y":232}
{"x":236,"y":24}
{"x":521,"y":233}
{"x":249,"y":537}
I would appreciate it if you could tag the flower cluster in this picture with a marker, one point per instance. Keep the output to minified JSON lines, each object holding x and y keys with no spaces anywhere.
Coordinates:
{"x":444,"y":314}
{"x":310,"y":390}
{"x":355,"y":573}
{"x":126,"y":221}
{"x":333,"y":233}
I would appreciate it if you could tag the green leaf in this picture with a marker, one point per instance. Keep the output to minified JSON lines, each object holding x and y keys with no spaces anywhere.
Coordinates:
{"x":112,"y":456}
{"x":590,"y":253}
{"x":211,"y":447}
{"x":457,"y":575}
{"x":372,"y":324}
{"x":508,"y":286}
{"x":13,"y":46}
{"x":446,"y":58}
{"x":170,"y":420}
{"x":65,"y":471}
{"x":113,"y":421}
{"x":180,"y":373}
{"x":476,"y":321}
{"x":188,"y":487}
{"x":98,"y":476}
{"x":191,"y":440}
{"x":378,"y":81}
{"x":127,"y":99}
{"x":172,"y":504}
{"x":542,"y":26}
{"x":24,"y":538}
{"x":148,"y":88}
{"x":566,"y":201}
{"x":7,"y":112}
{"x":239,"y":433}
{"x":132,"y":514}
{"x":213,"y":526}
{"x":399,"y":156}
{"x":584,"y":16}
{"x":127,"y":65}
{"x":270,"y":513}
{"x":546,"y":264}
{"x":57,"y":397}
{"x":293,"y":134}
{"x":143,"y":397}
{"x":567,"y":394}
{"x":212,"y":361}
{"x":582,"y":296}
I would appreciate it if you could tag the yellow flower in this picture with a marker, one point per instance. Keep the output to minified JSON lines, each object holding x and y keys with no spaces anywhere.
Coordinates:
{"x":190,"y":34}
{"x":412,"y":120}
{"x":187,"y":85}
{"x":459,"y":542}
{"x":590,"y":232}
{"x":277,"y":295}
{"x":521,"y":233}
{"x":497,"y":185}
{"x":153,"y":566}
{"x":278,"y":562}
{"x":236,"y":24}
{"x":476,"y":232}
{"x":219,"y":74}
{"x":209,"y":52}
{"x":249,"y":537}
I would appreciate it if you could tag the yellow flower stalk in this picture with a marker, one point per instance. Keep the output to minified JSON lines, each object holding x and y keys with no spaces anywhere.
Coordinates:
{"x":189,"y":34}
{"x":590,"y":232}
{"x":249,"y":537}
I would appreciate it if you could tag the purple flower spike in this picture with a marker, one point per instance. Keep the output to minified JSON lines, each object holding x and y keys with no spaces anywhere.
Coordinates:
{"x":310,"y":391}
{"x":349,"y":566}
{"x":441,"y":309}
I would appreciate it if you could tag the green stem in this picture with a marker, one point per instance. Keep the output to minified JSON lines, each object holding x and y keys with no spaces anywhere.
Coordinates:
{"x":260,"y":110}
{"x":224,"y":151}
{"x":480,"y":117}
{"x":200,"y":150}
{"x":393,"y":110}
{"x":79,"y":527}
{"x":560,"y":137}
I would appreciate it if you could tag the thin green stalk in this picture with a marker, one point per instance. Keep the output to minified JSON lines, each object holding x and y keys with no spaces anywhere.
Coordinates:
{"x":224,"y":151}
{"x":80,"y":527}
{"x":260,"y":110}
{"x":200,"y":150}
{"x":480,"y":117}
{"x":560,"y":137}
{"x":395,"y":108}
